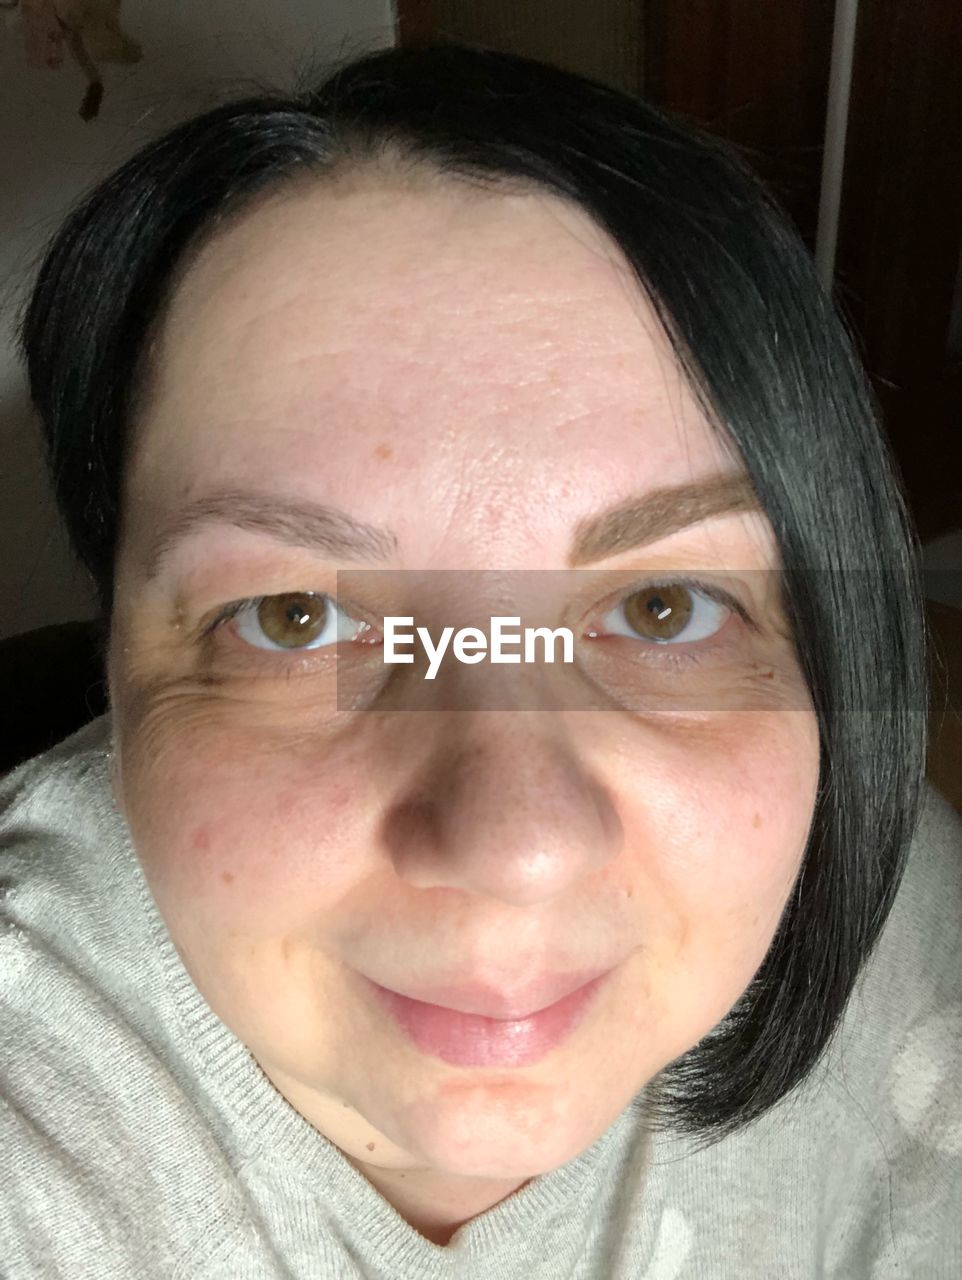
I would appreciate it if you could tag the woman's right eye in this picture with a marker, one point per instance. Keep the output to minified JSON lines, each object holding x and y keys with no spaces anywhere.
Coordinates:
{"x":295,"y":620}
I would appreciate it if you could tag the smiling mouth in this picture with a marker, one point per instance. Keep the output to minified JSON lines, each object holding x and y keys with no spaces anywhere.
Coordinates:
{"x":479,"y":1040}
{"x":484,"y":1000}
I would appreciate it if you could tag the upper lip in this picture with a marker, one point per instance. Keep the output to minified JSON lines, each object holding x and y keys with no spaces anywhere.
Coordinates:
{"x":507,"y":1002}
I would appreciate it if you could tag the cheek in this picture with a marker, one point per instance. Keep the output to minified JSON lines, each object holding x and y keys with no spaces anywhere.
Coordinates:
{"x":716,"y":819}
{"x":230,"y":825}
{"x":717,"y":834}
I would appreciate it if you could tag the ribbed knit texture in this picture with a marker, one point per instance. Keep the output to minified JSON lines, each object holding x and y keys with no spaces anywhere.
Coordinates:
{"x":139,"y":1140}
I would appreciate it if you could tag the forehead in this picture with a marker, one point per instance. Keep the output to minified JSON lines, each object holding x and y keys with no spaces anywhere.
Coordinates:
{"x":498,"y":336}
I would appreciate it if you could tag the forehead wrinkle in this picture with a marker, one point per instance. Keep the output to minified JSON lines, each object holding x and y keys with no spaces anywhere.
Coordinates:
{"x":555,"y":374}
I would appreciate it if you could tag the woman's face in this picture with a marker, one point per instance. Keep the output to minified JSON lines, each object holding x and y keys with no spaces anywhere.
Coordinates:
{"x":476,"y":377}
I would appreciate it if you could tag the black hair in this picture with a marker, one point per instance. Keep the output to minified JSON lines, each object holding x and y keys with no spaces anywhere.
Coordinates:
{"x":769,"y":357}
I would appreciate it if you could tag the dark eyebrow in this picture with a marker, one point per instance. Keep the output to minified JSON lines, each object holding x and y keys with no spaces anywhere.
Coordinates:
{"x":297,"y":522}
{"x":656,"y":514}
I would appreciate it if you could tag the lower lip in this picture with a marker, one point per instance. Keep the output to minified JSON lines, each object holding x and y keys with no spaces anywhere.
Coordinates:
{"x":469,"y":1040}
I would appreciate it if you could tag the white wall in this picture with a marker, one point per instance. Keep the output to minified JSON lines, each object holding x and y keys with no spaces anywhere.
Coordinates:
{"x":196,"y":53}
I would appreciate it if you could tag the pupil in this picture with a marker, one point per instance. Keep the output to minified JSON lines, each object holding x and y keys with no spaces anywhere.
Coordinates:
{"x":665,"y":606}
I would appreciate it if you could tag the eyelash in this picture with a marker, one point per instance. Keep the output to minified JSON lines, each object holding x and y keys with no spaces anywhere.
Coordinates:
{"x":669,"y":655}
{"x":232,"y":610}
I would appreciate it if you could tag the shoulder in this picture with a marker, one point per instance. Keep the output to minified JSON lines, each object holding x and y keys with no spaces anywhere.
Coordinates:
{"x":59,"y":837}
{"x":907,"y":1003}
{"x":915,"y":968}
{"x":106,"y":1152}
{"x":53,"y":780}
{"x":896,"y":1069}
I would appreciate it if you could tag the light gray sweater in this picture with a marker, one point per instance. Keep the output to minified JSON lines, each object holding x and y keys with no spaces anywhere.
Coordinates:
{"x":139,"y":1140}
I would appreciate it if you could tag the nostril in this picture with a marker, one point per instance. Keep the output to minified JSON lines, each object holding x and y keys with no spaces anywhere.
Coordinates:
{"x":413,"y":821}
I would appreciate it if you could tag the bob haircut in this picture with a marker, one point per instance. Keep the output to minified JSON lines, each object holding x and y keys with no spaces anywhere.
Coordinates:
{"x":769,"y":358}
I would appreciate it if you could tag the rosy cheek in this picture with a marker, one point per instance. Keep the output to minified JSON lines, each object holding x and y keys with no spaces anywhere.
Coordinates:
{"x":340,"y":799}
{"x":212,"y":854}
{"x":336,"y":799}
{"x":200,"y":841}
{"x":247,"y":836}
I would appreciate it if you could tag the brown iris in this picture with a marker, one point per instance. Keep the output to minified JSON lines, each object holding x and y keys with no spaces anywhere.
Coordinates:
{"x":293,"y":620}
{"x":659,"y":613}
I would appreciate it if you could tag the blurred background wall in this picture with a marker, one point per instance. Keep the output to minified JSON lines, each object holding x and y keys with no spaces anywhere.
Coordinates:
{"x":194,"y":55}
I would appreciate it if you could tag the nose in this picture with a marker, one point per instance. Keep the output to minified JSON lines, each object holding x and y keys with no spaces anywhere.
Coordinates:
{"x":504,"y":806}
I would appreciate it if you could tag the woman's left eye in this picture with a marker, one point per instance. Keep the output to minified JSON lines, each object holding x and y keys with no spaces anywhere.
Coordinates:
{"x":673,"y":611}
{"x":295,"y":620}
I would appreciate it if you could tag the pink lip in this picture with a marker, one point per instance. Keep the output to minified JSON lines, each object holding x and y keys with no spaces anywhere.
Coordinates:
{"x":477,"y":997}
{"x":474,"y":1039}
